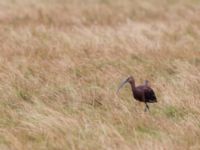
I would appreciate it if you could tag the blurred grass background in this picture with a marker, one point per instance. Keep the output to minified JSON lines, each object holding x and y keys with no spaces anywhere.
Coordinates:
{"x":59,"y":59}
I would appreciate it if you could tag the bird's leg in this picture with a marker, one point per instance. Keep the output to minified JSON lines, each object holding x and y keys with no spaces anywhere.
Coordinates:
{"x":147,"y":107}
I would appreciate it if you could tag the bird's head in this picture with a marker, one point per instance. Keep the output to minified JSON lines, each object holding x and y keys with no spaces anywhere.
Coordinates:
{"x":130,"y":80}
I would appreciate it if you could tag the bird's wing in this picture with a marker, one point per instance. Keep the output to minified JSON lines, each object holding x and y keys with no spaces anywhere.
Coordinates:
{"x":149,"y":93}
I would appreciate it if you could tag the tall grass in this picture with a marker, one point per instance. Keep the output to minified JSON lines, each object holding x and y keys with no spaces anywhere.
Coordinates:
{"x":62,"y":60}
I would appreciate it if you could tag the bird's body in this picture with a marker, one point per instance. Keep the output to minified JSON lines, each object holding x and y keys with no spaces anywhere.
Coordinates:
{"x":143,"y":93}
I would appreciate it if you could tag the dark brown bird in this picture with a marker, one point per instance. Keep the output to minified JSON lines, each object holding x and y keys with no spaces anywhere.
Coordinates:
{"x":143,"y":93}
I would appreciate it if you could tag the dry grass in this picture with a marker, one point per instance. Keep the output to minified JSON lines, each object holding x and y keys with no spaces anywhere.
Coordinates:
{"x":59,"y":58}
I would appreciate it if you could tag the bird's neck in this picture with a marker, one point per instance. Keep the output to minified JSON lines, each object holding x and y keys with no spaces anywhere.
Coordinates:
{"x":132,"y":83}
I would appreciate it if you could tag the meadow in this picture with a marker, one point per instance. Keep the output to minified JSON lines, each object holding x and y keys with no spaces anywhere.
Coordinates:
{"x":61,"y":62}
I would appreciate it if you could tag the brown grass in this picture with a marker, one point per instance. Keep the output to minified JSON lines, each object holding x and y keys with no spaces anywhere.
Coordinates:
{"x":60,"y":58}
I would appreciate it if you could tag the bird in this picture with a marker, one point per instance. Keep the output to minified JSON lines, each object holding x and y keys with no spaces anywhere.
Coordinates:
{"x":143,"y":93}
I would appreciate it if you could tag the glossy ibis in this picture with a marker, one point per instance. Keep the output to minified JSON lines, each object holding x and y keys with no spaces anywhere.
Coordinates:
{"x":143,"y":93}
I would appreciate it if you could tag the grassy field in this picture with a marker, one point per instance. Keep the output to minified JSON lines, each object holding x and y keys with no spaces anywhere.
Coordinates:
{"x":59,"y":59}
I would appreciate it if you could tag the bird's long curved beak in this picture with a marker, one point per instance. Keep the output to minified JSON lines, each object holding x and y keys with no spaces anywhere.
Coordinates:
{"x":121,"y":85}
